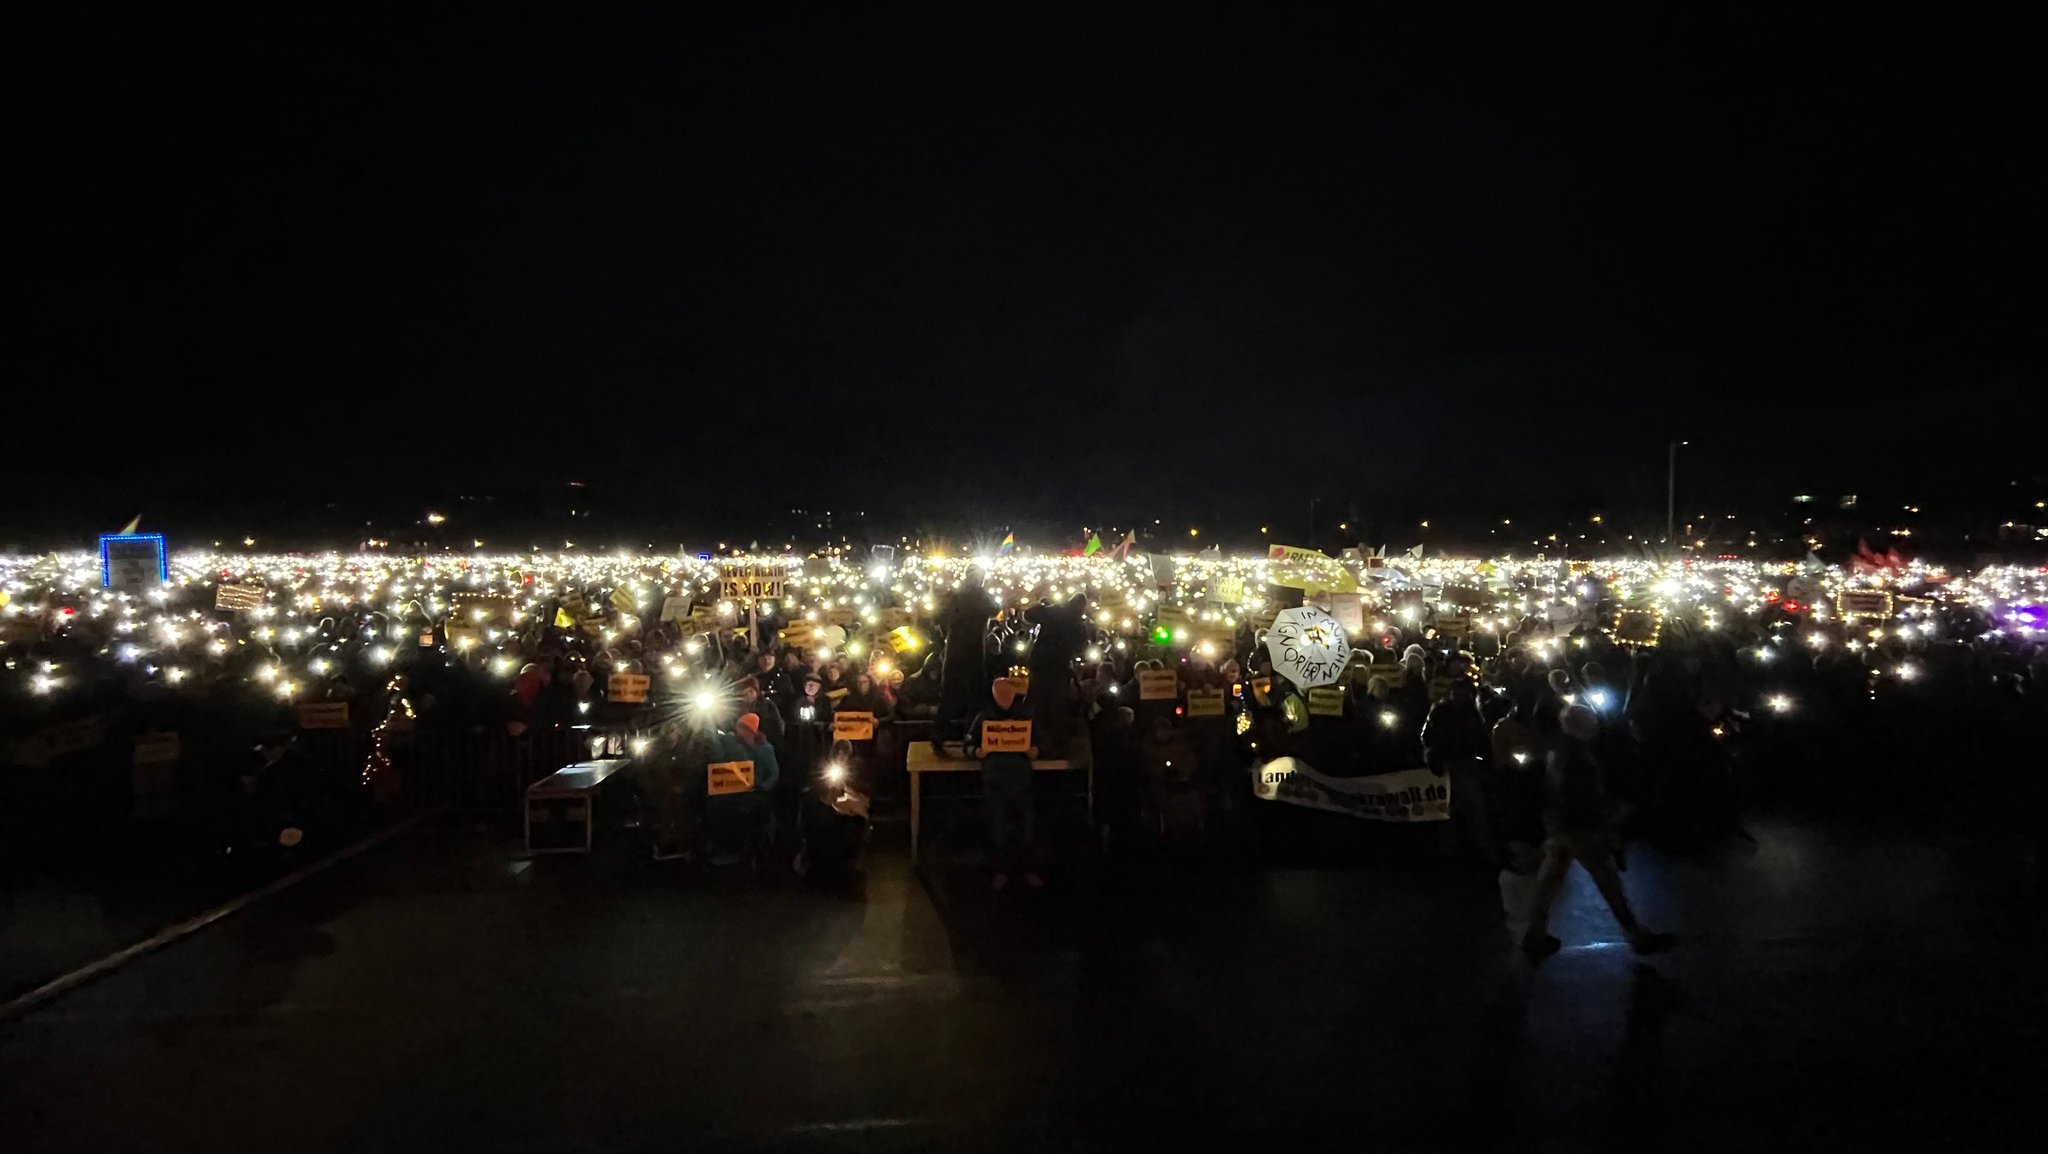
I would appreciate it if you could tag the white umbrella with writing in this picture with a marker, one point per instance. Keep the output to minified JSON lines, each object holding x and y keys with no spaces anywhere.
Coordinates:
{"x":1308,"y":646}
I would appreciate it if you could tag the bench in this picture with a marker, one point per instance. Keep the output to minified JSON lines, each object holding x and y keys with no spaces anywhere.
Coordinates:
{"x":559,"y":807}
{"x":922,"y":757}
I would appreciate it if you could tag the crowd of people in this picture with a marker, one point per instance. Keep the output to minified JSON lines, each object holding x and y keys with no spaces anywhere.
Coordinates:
{"x":1686,"y":726}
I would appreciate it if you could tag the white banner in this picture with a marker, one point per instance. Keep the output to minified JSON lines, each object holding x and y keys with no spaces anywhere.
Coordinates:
{"x":1407,"y":795}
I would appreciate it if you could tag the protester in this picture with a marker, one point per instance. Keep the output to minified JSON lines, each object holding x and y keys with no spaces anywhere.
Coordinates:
{"x":1006,"y":788}
{"x":1578,"y":820}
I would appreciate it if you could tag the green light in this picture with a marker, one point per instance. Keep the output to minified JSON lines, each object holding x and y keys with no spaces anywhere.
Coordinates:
{"x":1161,"y":635}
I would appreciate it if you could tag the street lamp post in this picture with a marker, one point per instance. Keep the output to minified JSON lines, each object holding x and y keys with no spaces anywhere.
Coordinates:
{"x":1671,"y":492}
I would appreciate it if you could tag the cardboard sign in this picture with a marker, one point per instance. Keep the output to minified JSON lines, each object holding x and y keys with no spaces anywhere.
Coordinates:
{"x":1006,"y":737}
{"x":1854,"y":603}
{"x":1158,"y":685}
{"x":156,"y":748}
{"x":483,"y":610}
{"x":1230,"y":590}
{"x":675,"y":607}
{"x":1326,"y":701}
{"x":834,"y":695}
{"x":627,"y":688}
{"x":1387,"y":675}
{"x":1205,"y":703}
{"x":239,"y":597}
{"x":1464,"y":596}
{"x":1454,"y":624}
{"x":1637,"y":627}
{"x":747,"y":583}
{"x":323,"y":715}
{"x":1349,"y":610}
{"x":853,"y":726}
{"x":724,"y":777}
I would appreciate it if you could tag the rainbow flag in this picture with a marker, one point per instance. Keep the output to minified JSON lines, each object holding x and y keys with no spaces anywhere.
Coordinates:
{"x":1009,"y":543}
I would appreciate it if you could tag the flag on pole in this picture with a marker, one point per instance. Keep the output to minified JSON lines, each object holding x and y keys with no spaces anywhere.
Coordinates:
{"x":1124,"y":549}
{"x":133,"y":524}
{"x":1009,"y":543}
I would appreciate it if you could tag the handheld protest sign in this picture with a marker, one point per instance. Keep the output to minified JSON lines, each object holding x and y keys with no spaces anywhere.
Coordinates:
{"x":854,"y":726}
{"x":627,"y":688}
{"x":1205,"y":703}
{"x":323,"y":715}
{"x":1006,"y":737}
{"x":724,"y":777}
{"x":1326,"y":701}
{"x":1158,"y":685}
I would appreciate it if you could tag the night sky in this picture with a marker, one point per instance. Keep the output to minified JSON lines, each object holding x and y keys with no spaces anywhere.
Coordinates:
{"x":996,"y":265}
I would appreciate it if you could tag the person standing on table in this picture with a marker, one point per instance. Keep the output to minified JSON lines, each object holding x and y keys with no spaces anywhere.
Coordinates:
{"x":1006,"y":790}
{"x":1578,"y":820}
{"x":1062,"y":631}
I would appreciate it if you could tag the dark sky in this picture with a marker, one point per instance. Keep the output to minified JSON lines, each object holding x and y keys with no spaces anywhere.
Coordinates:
{"x":1000,"y":262}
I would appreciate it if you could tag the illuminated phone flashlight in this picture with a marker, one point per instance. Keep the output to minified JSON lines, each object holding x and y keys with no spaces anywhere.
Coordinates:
{"x":807,"y":713}
{"x":835,"y":773}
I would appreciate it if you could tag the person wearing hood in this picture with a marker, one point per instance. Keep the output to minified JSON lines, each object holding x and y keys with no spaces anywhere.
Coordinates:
{"x":1006,"y":788}
{"x":965,"y":665}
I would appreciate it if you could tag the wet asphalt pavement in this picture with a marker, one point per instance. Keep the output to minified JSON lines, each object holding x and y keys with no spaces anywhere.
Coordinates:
{"x":1835,"y":987}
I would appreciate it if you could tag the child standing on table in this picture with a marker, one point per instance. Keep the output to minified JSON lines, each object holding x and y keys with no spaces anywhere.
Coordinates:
{"x":1006,"y":790}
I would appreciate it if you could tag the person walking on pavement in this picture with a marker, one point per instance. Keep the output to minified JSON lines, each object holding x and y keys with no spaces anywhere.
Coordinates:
{"x":1578,"y":825}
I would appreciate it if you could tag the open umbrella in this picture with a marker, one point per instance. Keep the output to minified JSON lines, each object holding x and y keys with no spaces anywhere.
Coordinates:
{"x":1308,"y":646}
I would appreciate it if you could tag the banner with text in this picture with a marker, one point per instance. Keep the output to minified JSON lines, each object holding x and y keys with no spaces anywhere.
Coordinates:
{"x":1407,"y":795}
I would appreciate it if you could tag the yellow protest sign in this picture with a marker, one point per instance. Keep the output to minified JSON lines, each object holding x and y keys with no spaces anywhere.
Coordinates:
{"x":1205,"y":703}
{"x":627,"y":688}
{"x":853,"y":726}
{"x":323,"y":715}
{"x":1309,"y":570}
{"x":1326,"y":701}
{"x":563,"y":620}
{"x":1006,"y":737}
{"x":1158,"y":685}
{"x":724,"y":777}
{"x":1230,"y":590}
{"x":622,"y":600}
{"x":903,"y":639}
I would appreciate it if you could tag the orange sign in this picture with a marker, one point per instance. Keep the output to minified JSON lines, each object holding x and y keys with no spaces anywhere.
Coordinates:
{"x":854,"y":726}
{"x":627,"y":688}
{"x":723,"y":777}
{"x":1006,"y":737}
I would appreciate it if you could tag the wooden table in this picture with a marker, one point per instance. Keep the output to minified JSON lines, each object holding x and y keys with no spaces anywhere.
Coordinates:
{"x":566,"y":799}
{"x":924,"y":757}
